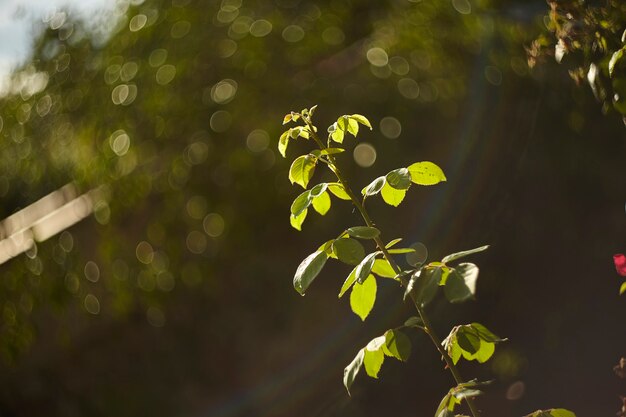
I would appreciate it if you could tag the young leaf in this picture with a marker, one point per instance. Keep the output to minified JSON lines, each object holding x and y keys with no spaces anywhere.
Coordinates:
{"x":322,"y":203}
{"x":353,"y":369}
{"x":392,"y":196}
{"x":302,"y":169}
{"x":361,"y":119}
{"x":400,"y":179}
{"x":382,"y":268}
{"x":296,"y":221}
{"x":364,"y":232}
{"x":349,"y":251}
{"x":287,"y":118}
{"x":374,"y":187}
{"x":308,"y":270}
{"x":400,"y":251}
{"x":364,"y":268}
{"x":342,"y":123}
{"x":338,"y":190}
{"x":393,"y":242}
{"x":337,"y":135}
{"x":622,"y":288}
{"x":373,"y":361}
{"x":331,"y":151}
{"x":353,"y":127}
{"x":461,"y":283}
{"x":318,"y":189}
{"x":312,"y":110}
{"x":347,"y":284}
{"x":363,"y":297}
{"x":615,"y":58}
{"x":282,"y":143}
{"x":458,"y":255}
{"x":426,"y":173}
{"x":301,"y":203}
{"x":397,"y":345}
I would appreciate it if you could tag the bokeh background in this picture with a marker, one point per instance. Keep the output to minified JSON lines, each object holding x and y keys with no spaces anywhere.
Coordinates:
{"x":173,"y":296}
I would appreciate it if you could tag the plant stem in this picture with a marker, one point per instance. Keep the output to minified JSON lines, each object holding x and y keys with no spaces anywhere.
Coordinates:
{"x":381,"y":246}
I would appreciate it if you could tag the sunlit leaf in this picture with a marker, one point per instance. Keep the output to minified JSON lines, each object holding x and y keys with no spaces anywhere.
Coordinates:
{"x":363,"y":297}
{"x":458,"y":255}
{"x":392,"y":196}
{"x":374,"y":187}
{"x":302,"y":169}
{"x":331,"y":151}
{"x":364,"y":268}
{"x":308,"y":270}
{"x":301,"y":203}
{"x":347,"y":284}
{"x":397,"y":345}
{"x":361,"y":119}
{"x":383,"y":269}
{"x":373,"y":361}
{"x":426,"y":173}
{"x":282,"y":143}
{"x":352,"y":370}
{"x":424,"y":284}
{"x":322,"y":203}
{"x":338,"y":191}
{"x":353,"y":127}
{"x":296,"y":221}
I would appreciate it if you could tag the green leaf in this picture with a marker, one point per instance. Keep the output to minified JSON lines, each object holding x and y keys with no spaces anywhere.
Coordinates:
{"x":414,"y":321}
{"x":426,"y":173}
{"x":364,"y":268}
{"x":400,"y":251}
{"x":472,"y":341}
{"x":622,"y":288}
{"x":331,"y":151}
{"x":485,"y":334}
{"x":363,"y":297}
{"x":400,"y":179}
{"x":373,"y":361}
{"x":328,"y":248}
{"x":301,"y":203}
{"x":397,"y":345}
{"x":352,"y":370}
{"x":382,"y":268}
{"x":374,"y":187}
{"x":461,"y":283}
{"x":302,"y":169}
{"x":348,"y":282}
{"x":392,"y":196}
{"x":282,"y":143}
{"x":455,"y":256}
{"x":361,"y":119}
{"x":318,"y":189}
{"x":342,"y":123}
{"x":424,"y":284}
{"x":393,"y":242}
{"x":337,"y":136}
{"x":296,"y":221}
{"x":338,"y":191}
{"x":308,"y":270}
{"x":615,"y":59}
{"x":353,"y":127}
{"x":469,"y":343}
{"x":364,"y":232}
{"x":349,"y":251}
{"x":287,"y":118}
{"x":312,"y":110}
{"x":418,"y":256}
{"x":322,"y":203}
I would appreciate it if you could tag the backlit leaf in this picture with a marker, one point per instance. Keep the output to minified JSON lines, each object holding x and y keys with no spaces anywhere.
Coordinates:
{"x":282,"y":143}
{"x":361,"y":119}
{"x":426,"y":173}
{"x":296,"y":221}
{"x":392,"y":196}
{"x":338,"y":191}
{"x":383,"y":269}
{"x":301,"y":170}
{"x":322,"y":203}
{"x":397,"y":345}
{"x":364,"y":268}
{"x":347,"y":284}
{"x":363,"y":297}
{"x":373,"y":361}
{"x":301,"y":203}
